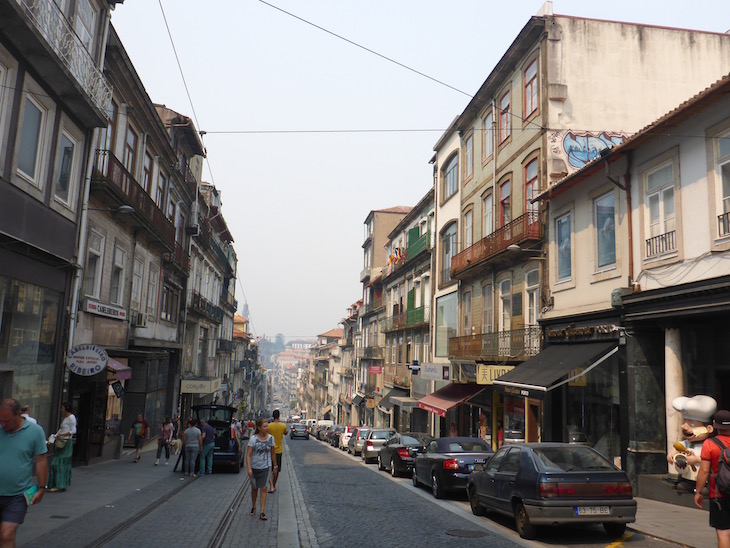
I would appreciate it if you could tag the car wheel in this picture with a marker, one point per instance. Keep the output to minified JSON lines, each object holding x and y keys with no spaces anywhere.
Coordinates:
{"x":436,"y":489}
{"x":476,"y":508}
{"x":414,"y":478}
{"x":615,"y":530}
{"x":526,"y":529}
{"x":380,"y":464}
{"x":393,"y":471}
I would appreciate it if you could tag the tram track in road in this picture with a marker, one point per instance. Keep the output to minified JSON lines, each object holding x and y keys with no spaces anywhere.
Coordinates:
{"x":224,"y":525}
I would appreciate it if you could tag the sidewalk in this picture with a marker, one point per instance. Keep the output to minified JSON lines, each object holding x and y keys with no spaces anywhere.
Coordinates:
{"x":105,"y":495}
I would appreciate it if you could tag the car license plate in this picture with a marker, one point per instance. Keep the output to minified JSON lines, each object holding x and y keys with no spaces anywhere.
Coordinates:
{"x":592,"y":510}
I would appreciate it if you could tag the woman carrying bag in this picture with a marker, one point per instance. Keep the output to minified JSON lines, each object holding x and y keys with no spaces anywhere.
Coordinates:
{"x":259,"y":458}
{"x":60,"y":475}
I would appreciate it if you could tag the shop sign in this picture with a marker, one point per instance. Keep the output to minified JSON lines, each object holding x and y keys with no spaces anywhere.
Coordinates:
{"x":86,"y":359}
{"x":487,"y":373}
{"x":435,"y":371}
{"x":199,"y":386}
{"x":376,"y":369}
{"x":581,"y":380}
{"x":582,"y":332}
{"x":108,"y":310}
{"x":118,"y":389}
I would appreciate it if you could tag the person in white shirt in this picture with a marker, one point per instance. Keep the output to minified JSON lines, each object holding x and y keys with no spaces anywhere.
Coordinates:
{"x":60,"y":476}
{"x":25,"y":413}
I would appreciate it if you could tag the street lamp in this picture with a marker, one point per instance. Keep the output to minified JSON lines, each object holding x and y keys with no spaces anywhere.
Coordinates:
{"x":123,"y":209}
{"x":535,"y":254}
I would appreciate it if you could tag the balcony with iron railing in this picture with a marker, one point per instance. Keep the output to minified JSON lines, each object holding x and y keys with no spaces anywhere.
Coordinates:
{"x":228,"y":301}
{"x":346,"y":342}
{"x":111,"y":178}
{"x":664,"y":243}
{"x":418,"y":316}
{"x":517,"y":344}
{"x":45,"y":37}
{"x":179,"y":257}
{"x":723,"y":224}
{"x":374,"y":305}
{"x":524,"y":229}
{"x":370,"y":352}
{"x":420,"y":244}
{"x":202,"y":306}
{"x":225,"y":346}
{"x":397,"y":375}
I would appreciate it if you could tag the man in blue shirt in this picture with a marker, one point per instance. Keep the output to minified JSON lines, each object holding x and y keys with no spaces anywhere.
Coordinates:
{"x":206,"y":457}
{"x":22,"y":443}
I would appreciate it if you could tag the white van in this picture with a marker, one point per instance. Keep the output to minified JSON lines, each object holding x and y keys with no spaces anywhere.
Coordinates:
{"x":322,"y":426}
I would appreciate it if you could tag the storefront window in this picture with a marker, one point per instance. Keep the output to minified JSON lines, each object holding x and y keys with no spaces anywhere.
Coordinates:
{"x":514,"y":419}
{"x":28,"y":327}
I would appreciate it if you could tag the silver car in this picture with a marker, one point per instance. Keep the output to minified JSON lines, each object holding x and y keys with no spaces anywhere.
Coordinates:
{"x":374,"y":441}
{"x":357,"y":440}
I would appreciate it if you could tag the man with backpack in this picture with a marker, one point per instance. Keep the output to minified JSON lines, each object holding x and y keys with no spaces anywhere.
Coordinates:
{"x":715,"y":466}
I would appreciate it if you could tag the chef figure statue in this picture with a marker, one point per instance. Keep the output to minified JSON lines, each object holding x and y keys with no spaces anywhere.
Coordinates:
{"x":697,"y":413}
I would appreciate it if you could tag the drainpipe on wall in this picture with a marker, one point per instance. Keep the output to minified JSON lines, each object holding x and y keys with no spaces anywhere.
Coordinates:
{"x":629,"y":218}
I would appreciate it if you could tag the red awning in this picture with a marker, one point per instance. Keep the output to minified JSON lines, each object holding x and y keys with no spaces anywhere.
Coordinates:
{"x":449,"y":396}
{"x":122,"y":371}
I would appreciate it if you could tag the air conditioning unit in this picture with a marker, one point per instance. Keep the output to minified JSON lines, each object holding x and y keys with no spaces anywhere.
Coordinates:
{"x":193,"y":230}
{"x":139,"y":319}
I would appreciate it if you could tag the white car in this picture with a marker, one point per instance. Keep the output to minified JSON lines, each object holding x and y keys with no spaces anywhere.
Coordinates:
{"x":345,"y":436}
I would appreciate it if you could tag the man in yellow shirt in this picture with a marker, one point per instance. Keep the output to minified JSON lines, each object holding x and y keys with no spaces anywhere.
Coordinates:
{"x":277,"y":429}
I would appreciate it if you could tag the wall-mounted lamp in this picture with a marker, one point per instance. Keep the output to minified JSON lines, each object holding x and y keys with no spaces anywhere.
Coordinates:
{"x":123,"y":209}
{"x":535,"y":254}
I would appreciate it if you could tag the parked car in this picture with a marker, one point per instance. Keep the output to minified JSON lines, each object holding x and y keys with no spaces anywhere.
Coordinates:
{"x":374,"y":441}
{"x":333,"y":436}
{"x":345,"y":436}
{"x":446,"y":463}
{"x":298,"y":431}
{"x":552,"y":484}
{"x":228,"y":450}
{"x":322,"y":430}
{"x":354,"y":446}
{"x":398,"y":452}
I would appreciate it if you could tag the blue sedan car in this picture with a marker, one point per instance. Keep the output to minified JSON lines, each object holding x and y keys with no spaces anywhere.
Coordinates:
{"x":553,"y":484}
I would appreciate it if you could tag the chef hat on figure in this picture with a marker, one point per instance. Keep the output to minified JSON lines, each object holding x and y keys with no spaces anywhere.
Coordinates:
{"x":697,"y":408}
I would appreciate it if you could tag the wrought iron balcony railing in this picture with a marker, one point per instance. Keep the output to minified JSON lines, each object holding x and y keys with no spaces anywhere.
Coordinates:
{"x":515,"y":344}
{"x":51,"y":23}
{"x":109,"y":170}
{"x":663,"y":243}
{"x":373,"y":352}
{"x":179,"y":257}
{"x":723,"y":224}
{"x":225,"y":346}
{"x":375,"y":304}
{"x":422,"y":243}
{"x":202,"y":306}
{"x":524,"y":228}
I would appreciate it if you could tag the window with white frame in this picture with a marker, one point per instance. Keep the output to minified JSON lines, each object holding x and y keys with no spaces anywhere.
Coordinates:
{"x":722,"y":154}
{"x":85,"y":23}
{"x":66,"y":163}
{"x":130,"y":151}
{"x":451,"y":177}
{"x":169,"y":304}
{"x":505,"y":203}
{"x":116,"y":292}
{"x":563,"y":241}
{"x":604,"y":213}
{"x":147,"y":173}
{"x":488,"y":141}
{"x":94,"y":262}
{"x":468,"y":228}
{"x":505,"y":123}
{"x":532,"y":297}
{"x":505,"y":305}
{"x":531,"y":189}
{"x":152,"y":277}
{"x":487,"y":296}
{"x":488,"y":210}
{"x":160,"y":192}
{"x":660,"y":206}
{"x":137,"y":274}
{"x":466,"y":312}
{"x":448,"y":246}
{"x":30,"y":149}
{"x":530,"y":79}
{"x":469,"y":157}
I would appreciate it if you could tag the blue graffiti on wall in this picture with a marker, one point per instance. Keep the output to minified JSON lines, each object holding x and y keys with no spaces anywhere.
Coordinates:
{"x":581,"y":148}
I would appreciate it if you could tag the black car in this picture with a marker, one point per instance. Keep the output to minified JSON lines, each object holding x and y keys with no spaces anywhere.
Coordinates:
{"x":398,"y":452}
{"x":553,"y":484}
{"x":446,"y":463}
{"x":298,"y":431}
{"x":228,"y":450}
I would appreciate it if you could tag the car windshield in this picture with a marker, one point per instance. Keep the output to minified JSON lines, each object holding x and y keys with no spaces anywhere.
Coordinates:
{"x":416,"y":440}
{"x":570,"y":459}
{"x":467,"y":446}
{"x":220,"y":414}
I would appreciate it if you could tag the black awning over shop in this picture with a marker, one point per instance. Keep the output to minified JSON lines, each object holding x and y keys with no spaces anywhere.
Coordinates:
{"x":555,"y":366}
{"x":387,"y":402}
{"x":357,"y":399}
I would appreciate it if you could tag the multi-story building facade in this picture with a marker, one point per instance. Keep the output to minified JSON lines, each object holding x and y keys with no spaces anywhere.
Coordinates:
{"x":325,"y":358}
{"x":54,"y":98}
{"x":533,"y":121}
{"x":349,"y":400}
{"x":371,"y":340}
{"x":407,"y":296}
{"x":650,"y":285}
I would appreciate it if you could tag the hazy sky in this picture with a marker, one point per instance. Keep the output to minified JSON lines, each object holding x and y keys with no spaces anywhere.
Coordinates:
{"x":266,"y":86}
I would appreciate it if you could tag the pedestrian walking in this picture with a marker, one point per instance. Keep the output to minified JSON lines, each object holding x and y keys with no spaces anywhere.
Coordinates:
{"x":206,"y":456}
{"x":25,"y":412}
{"x":60,"y":477}
{"x":163,"y":440}
{"x":710,"y":455}
{"x":259,"y":458}
{"x":139,"y":432}
{"x":277,"y":429}
{"x":22,"y":444}
{"x":192,"y":443}
{"x":175,"y":444}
